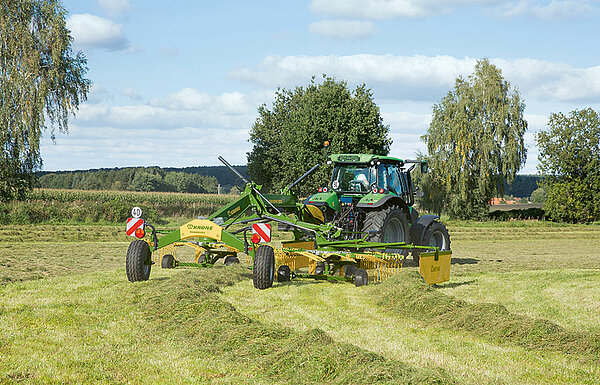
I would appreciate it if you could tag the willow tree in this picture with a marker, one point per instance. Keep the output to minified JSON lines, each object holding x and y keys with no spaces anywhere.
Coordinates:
{"x":475,"y":141}
{"x":41,"y":82}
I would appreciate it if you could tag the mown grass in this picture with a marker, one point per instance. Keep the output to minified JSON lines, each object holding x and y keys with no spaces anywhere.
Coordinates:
{"x":99,"y":328}
{"x":355,"y":316}
{"x":569,"y":298}
{"x":85,"y":323}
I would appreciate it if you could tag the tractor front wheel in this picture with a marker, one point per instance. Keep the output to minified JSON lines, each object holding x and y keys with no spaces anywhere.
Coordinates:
{"x":264,"y":267}
{"x":436,"y":235}
{"x":138,"y":262}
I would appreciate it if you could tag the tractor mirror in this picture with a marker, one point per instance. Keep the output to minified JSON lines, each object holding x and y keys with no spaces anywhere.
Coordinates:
{"x":424,"y":167}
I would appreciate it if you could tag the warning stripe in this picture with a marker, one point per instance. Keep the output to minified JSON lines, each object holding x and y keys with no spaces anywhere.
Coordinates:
{"x":258,"y":228}
{"x":131,"y":229}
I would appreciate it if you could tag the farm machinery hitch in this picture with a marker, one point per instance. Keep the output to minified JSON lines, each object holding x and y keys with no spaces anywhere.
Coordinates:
{"x":318,"y":249}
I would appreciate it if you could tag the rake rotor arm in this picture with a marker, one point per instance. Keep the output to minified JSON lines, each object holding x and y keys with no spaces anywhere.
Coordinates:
{"x":236,"y":172}
{"x":291,"y":185}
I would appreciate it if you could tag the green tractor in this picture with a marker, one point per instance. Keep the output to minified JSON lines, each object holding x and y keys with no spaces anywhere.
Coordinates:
{"x":372,"y":197}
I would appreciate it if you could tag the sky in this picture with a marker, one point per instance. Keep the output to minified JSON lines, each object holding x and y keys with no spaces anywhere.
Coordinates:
{"x":178,"y":83}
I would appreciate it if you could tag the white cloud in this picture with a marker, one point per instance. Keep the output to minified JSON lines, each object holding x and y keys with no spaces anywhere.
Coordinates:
{"x":342,"y":29}
{"x":389,"y":9}
{"x":188,"y":99}
{"x":554,"y":10}
{"x":132,"y":94}
{"x":421,"y":77}
{"x":94,"y":32}
{"x":115,"y":7}
{"x":393,"y":9}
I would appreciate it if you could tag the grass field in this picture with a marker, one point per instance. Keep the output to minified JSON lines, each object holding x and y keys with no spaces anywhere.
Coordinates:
{"x":522,"y":307}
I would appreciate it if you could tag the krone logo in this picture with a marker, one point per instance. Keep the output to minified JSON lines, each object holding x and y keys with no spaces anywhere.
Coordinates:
{"x":193,"y":227}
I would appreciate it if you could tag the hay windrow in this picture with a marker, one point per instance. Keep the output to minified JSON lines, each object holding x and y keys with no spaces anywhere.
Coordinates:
{"x":407,"y":295}
{"x":187,"y":305}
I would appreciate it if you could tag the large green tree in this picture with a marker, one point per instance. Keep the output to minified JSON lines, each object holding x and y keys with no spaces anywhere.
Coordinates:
{"x":288,"y":139}
{"x":570,"y":163}
{"x":41,"y":83}
{"x":475,"y":142}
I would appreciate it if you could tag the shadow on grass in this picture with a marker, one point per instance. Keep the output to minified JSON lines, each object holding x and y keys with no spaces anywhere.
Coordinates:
{"x":464,"y":261}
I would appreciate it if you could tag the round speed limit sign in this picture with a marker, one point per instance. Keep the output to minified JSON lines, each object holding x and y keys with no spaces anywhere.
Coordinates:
{"x":136,"y":212}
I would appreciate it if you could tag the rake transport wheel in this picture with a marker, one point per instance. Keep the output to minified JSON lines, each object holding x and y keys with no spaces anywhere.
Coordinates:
{"x":284,"y":273}
{"x":138,"y":262}
{"x":436,"y":235}
{"x":230,"y":260}
{"x":264,"y":267}
{"x":167,"y":262}
{"x":361,"y":277}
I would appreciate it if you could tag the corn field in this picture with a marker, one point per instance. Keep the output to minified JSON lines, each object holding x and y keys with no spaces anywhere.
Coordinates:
{"x":53,"y":205}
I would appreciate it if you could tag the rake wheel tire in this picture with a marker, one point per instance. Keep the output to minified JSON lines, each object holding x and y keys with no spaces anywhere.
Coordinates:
{"x":167,"y":262}
{"x":387,"y":225}
{"x":435,"y":235}
{"x":284,"y":273}
{"x":264,"y":267}
{"x":138,"y":262}
{"x":320,"y":268}
{"x":349,"y":270}
{"x":202,"y":257}
{"x":230,"y":260}
{"x":361,"y":278}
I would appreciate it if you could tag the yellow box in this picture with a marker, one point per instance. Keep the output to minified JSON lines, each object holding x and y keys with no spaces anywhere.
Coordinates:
{"x":435,"y":271}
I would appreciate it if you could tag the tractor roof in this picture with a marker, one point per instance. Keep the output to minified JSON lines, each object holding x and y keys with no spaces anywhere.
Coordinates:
{"x":362,"y":158}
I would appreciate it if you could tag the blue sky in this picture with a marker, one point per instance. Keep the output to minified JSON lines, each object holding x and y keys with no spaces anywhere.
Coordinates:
{"x":178,"y":83}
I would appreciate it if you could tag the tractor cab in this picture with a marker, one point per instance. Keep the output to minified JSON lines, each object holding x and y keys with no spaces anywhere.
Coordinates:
{"x":371,"y":174}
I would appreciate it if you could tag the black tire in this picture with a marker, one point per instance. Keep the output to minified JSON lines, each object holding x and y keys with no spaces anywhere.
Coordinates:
{"x":435,"y":235}
{"x":202,"y":257}
{"x":264,"y":267}
{"x":361,"y":278}
{"x":320,"y":268}
{"x":167,"y":262}
{"x":387,"y":225}
{"x":349,"y":270}
{"x":138,"y":261}
{"x":284,"y":273}
{"x":230,"y":260}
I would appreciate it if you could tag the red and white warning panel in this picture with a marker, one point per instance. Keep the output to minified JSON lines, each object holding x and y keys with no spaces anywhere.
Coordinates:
{"x":134,"y":224}
{"x":263,"y":230}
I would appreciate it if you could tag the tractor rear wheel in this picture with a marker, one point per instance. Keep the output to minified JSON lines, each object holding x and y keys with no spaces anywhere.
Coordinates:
{"x":138,"y":262}
{"x":264,"y":267}
{"x":436,"y":235}
{"x":167,"y":262}
{"x":387,"y":225}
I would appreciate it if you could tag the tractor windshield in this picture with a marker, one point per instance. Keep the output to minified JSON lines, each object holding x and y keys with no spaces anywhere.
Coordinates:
{"x":352,"y":177}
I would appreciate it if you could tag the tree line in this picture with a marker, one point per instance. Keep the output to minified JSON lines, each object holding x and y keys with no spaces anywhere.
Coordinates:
{"x":131,"y":179}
